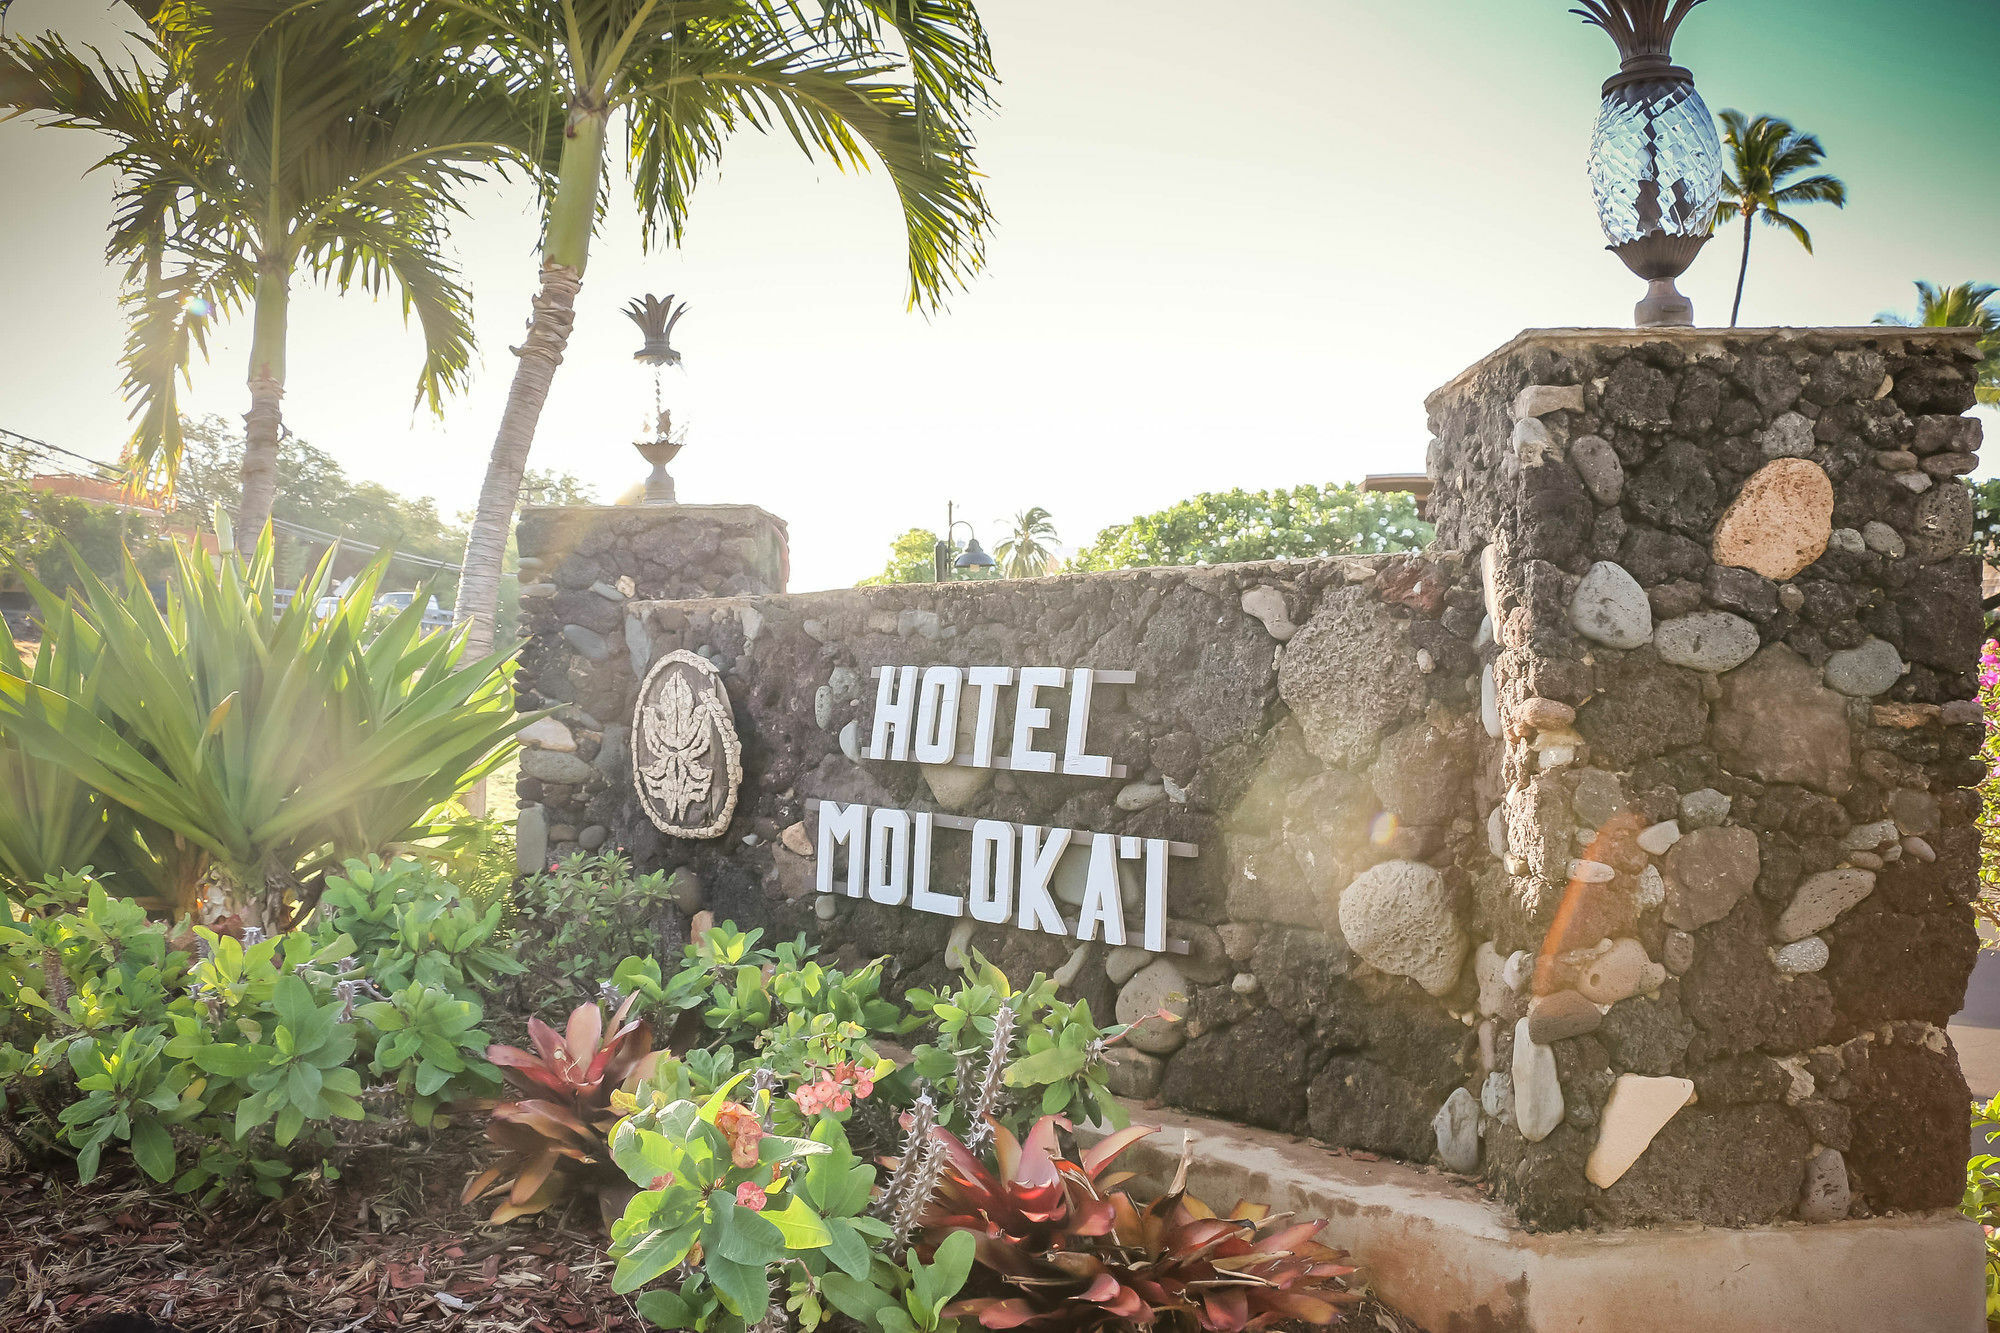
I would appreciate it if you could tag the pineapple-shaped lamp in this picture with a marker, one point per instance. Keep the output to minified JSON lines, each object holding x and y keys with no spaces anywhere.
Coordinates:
{"x":1655,"y":160}
{"x":656,"y":319}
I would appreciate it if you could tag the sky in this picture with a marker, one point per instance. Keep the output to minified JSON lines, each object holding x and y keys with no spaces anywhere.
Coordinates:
{"x":1236,"y":246}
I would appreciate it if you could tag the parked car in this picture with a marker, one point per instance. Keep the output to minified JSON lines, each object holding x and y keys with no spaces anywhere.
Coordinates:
{"x":435,"y":616}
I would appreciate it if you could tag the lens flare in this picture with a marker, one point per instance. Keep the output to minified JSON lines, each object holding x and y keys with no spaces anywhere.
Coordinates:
{"x":1382,"y":828}
{"x":199,"y":307}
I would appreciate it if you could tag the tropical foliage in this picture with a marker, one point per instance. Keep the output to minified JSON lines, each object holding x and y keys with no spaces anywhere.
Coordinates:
{"x":218,"y":734}
{"x":577,"y":919}
{"x":222,"y":1061}
{"x":912,"y":559}
{"x":1765,"y":157}
{"x":1969,"y":305}
{"x":1295,"y":524}
{"x":1062,"y":1250}
{"x":255,"y":144}
{"x":555,"y":1134}
{"x":1027,"y":550}
{"x":1982,"y":1195}
{"x":852,"y":82}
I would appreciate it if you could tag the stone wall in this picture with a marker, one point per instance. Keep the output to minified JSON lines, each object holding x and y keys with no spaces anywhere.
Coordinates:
{"x":1737,"y":631}
{"x":582,"y":569}
{"x":1616,"y":851}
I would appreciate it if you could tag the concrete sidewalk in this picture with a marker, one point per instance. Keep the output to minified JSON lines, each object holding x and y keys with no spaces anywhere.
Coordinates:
{"x":1976,"y":1029}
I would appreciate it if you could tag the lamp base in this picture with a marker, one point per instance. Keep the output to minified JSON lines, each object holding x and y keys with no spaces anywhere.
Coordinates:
{"x":659,"y":487}
{"x":1664,"y":306}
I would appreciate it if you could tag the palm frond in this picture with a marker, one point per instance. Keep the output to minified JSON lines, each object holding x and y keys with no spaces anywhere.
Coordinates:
{"x":850,"y":110}
{"x":1813,"y":190}
{"x":1790,"y":224}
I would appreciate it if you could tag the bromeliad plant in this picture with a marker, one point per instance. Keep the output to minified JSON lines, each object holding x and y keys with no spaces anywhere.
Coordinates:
{"x":557,"y":1136}
{"x":1061,"y":1251}
{"x":273,"y":744}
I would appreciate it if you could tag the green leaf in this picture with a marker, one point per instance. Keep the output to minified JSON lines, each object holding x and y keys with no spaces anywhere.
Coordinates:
{"x":743,"y":1287}
{"x":1049,"y":1066}
{"x":230,"y":1059}
{"x":744,"y":1236}
{"x":666,"y":1309}
{"x":939,"y":1280}
{"x":856,"y":1297}
{"x":846,"y":1248}
{"x":153,"y":1148}
{"x":798,"y":1224}
{"x":652,"y":1255}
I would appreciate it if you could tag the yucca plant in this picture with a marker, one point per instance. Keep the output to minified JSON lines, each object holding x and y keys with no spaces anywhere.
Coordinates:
{"x":279,"y":745}
{"x":1060,"y":1251}
{"x":51,"y":822}
{"x":558,"y":1136}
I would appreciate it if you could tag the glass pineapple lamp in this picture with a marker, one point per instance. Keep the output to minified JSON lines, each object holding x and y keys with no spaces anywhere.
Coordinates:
{"x":1655,"y":158}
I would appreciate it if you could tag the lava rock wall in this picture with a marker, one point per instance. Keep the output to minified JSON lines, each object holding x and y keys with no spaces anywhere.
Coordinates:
{"x":1617,"y":850}
{"x":1735,"y":637}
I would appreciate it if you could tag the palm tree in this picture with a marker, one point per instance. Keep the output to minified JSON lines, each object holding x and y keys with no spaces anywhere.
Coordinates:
{"x":1966,"y":306}
{"x":1763,"y":154}
{"x":1026,"y":552}
{"x":850,"y":81}
{"x":252,"y":150}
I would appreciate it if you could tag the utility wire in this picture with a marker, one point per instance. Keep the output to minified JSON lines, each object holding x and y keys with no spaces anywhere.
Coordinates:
{"x":108,"y":472}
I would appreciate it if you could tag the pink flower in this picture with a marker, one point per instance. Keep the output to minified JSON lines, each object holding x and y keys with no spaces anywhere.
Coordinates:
{"x":751,"y":1195}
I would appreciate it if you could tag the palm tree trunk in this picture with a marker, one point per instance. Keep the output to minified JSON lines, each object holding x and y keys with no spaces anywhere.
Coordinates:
{"x":264,"y":422}
{"x":486,"y":544}
{"x":1743,"y":269}
{"x":565,"y":251}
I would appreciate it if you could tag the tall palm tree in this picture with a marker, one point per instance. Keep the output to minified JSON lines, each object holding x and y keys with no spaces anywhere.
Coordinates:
{"x":1026,"y":551}
{"x":255,"y":145}
{"x":852,"y":81}
{"x":1763,"y":155}
{"x":1969,"y":305}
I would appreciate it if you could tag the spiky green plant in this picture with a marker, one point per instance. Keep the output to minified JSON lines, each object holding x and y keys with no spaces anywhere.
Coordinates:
{"x":51,"y":822}
{"x":277,"y":744}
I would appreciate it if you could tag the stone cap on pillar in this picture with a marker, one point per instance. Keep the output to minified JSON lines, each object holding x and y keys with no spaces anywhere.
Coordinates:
{"x":1698,"y":340}
{"x":665,"y":551}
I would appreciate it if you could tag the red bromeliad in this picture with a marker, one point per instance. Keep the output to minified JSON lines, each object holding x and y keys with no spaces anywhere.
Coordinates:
{"x":1061,"y":1251}
{"x":557,"y":1135}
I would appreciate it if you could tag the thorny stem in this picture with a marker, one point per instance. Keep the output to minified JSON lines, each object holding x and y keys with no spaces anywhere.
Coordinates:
{"x":915,"y":1177}
{"x":987,"y":1102}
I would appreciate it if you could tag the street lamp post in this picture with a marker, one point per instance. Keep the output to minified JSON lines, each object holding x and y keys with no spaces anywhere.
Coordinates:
{"x":972,"y":557}
{"x":1655,"y":159}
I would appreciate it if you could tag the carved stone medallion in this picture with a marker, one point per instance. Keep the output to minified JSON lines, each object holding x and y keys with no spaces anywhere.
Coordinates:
{"x":686,"y":761}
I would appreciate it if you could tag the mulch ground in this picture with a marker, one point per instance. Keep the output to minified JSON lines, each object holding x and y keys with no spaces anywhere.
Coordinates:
{"x":388,"y":1246}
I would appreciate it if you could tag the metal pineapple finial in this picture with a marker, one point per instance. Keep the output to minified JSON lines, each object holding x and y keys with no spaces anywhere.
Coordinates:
{"x":656,"y":318}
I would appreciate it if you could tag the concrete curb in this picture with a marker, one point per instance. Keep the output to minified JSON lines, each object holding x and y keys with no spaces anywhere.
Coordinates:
{"x":1455,"y":1261}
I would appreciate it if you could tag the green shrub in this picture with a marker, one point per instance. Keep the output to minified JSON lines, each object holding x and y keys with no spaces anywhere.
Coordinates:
{"x":273,"y":745}
{"x":1982,"y":1196}
{"x":224,"y":1063}
{"x":577,"y":919}
{"x":1060,"y":1067}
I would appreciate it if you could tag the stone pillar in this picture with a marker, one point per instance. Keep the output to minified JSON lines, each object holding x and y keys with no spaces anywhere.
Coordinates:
{"x":585,"y":654}
{"x":1731,"y":670}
